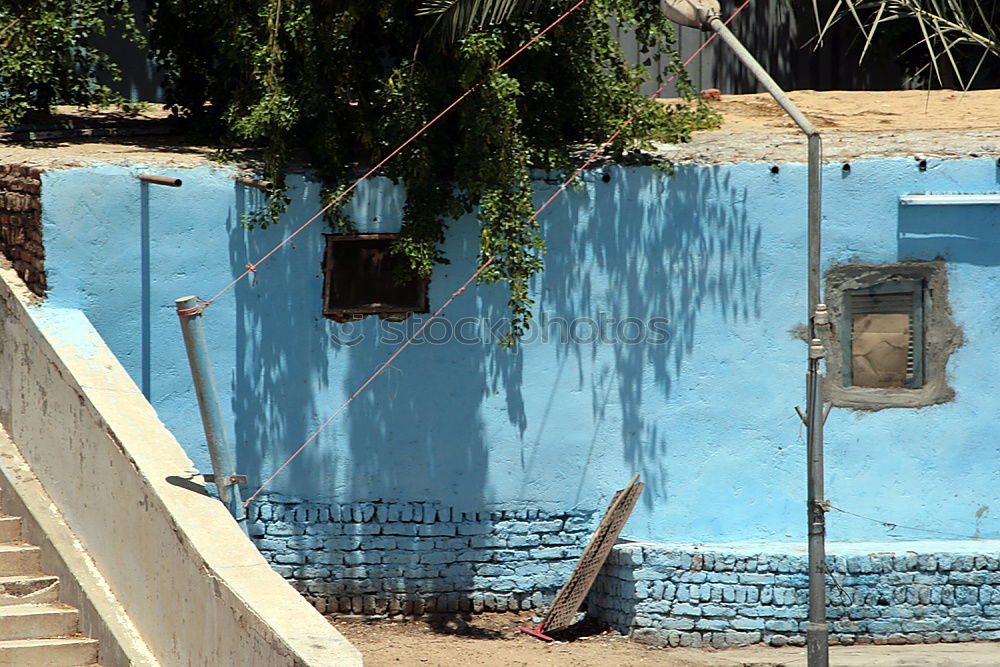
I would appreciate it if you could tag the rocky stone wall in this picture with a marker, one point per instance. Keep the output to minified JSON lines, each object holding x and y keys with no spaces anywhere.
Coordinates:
{"x":21,"y":224}
{"x":415,"y":557}
{"x":669,"y":597}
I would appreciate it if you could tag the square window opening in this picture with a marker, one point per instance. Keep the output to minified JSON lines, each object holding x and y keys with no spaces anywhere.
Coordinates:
{"x":891,"y":335}
{"x":361,"y":278}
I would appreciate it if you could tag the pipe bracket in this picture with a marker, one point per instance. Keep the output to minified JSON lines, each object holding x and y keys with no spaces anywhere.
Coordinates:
{"x":233,"y":479}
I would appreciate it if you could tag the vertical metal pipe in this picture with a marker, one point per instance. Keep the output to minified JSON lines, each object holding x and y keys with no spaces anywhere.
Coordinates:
{"x":817,"y":639}
{"x":145,"y":300}
{"x":208,"y":404}
{"x":817,"y":632}
{"x":815,"y":213}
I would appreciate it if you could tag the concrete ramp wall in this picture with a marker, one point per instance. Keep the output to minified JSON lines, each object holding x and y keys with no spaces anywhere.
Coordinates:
{"x":192,"y":585}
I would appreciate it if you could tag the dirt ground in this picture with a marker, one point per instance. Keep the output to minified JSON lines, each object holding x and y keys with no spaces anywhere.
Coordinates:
{"x":493,"y":640}
{"x":173,"y":150}
{"x":855,"y":124}
{"x":485,"y":640}
{"x":864,"y":111}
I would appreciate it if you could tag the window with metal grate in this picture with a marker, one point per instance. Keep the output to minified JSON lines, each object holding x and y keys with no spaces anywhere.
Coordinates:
{"x":885,"y":345}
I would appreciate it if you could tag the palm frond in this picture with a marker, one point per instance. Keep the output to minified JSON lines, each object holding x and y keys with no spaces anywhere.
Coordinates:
{"x":947,"y":29}
{"x":458,"y":18}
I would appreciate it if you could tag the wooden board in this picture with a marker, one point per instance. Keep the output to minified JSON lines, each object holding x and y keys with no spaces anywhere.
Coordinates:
{"x":562,"y":613}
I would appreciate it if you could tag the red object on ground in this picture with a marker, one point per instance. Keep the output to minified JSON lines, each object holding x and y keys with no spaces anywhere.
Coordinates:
{"x":536,"y":632}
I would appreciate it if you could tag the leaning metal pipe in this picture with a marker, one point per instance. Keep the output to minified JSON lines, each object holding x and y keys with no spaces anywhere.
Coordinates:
{"x":208,"y":404}
{"x":817,"y":639}
{"x":765,"y":79}
{"x":815,"y":152}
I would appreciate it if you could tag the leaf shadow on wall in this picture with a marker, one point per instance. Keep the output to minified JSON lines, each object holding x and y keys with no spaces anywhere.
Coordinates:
{"x":416,"y":433}
{"x":282,"y":356}
{"x":415,"y":436}
{"x":646,"y":246}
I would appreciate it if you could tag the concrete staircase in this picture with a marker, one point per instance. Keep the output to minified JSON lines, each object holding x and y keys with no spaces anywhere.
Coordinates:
{"x":36,"y":630}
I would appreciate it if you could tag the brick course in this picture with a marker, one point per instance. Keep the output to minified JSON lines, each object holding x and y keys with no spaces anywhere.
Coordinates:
{"x":410,"y":558}
{"x":676,"y":598}
{"x":21,"y":224}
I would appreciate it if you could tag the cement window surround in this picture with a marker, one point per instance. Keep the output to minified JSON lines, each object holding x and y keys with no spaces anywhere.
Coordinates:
{"x":941,"y":335}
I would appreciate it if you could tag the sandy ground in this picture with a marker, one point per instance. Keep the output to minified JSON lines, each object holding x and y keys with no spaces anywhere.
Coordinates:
{"x":492,"y":640}
{"x":865,"y":111}
{"x":160,"y":150}
{"x":854,"y":124}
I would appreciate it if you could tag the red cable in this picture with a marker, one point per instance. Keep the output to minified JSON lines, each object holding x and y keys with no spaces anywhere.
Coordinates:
{"x":489,"y":260}
{"x":388,"y":157}
{"x":374,"y":375}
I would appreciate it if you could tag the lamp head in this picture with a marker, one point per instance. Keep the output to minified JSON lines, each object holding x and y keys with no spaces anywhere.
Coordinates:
{"x":691,"y":13}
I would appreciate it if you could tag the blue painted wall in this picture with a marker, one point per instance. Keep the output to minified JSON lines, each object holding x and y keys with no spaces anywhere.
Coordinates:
{"x":706,"y":416}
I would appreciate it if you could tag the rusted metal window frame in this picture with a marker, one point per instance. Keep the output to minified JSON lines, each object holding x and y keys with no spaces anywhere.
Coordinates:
{"x":360,"y":311}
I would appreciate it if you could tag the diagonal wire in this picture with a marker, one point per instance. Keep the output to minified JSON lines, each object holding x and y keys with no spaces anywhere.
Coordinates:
{"x":593,"y":156}
{"x":893,"y":526}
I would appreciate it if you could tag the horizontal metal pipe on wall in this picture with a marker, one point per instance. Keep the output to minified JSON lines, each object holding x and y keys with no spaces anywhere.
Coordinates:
{"x":161,"y":180}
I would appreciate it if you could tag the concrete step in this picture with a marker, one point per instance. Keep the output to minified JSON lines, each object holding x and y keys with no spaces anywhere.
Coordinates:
{"x":34,"y":621}
{"x":18,"y":558}
{"x":36,"y":630}
{"x":56,"y":652}
{"x":28,"y":589}
{"x":10,"y":528}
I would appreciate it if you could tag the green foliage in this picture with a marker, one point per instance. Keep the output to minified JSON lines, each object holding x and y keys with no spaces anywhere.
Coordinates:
{"x":45,"y":58}
{"x":343,"y":83}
